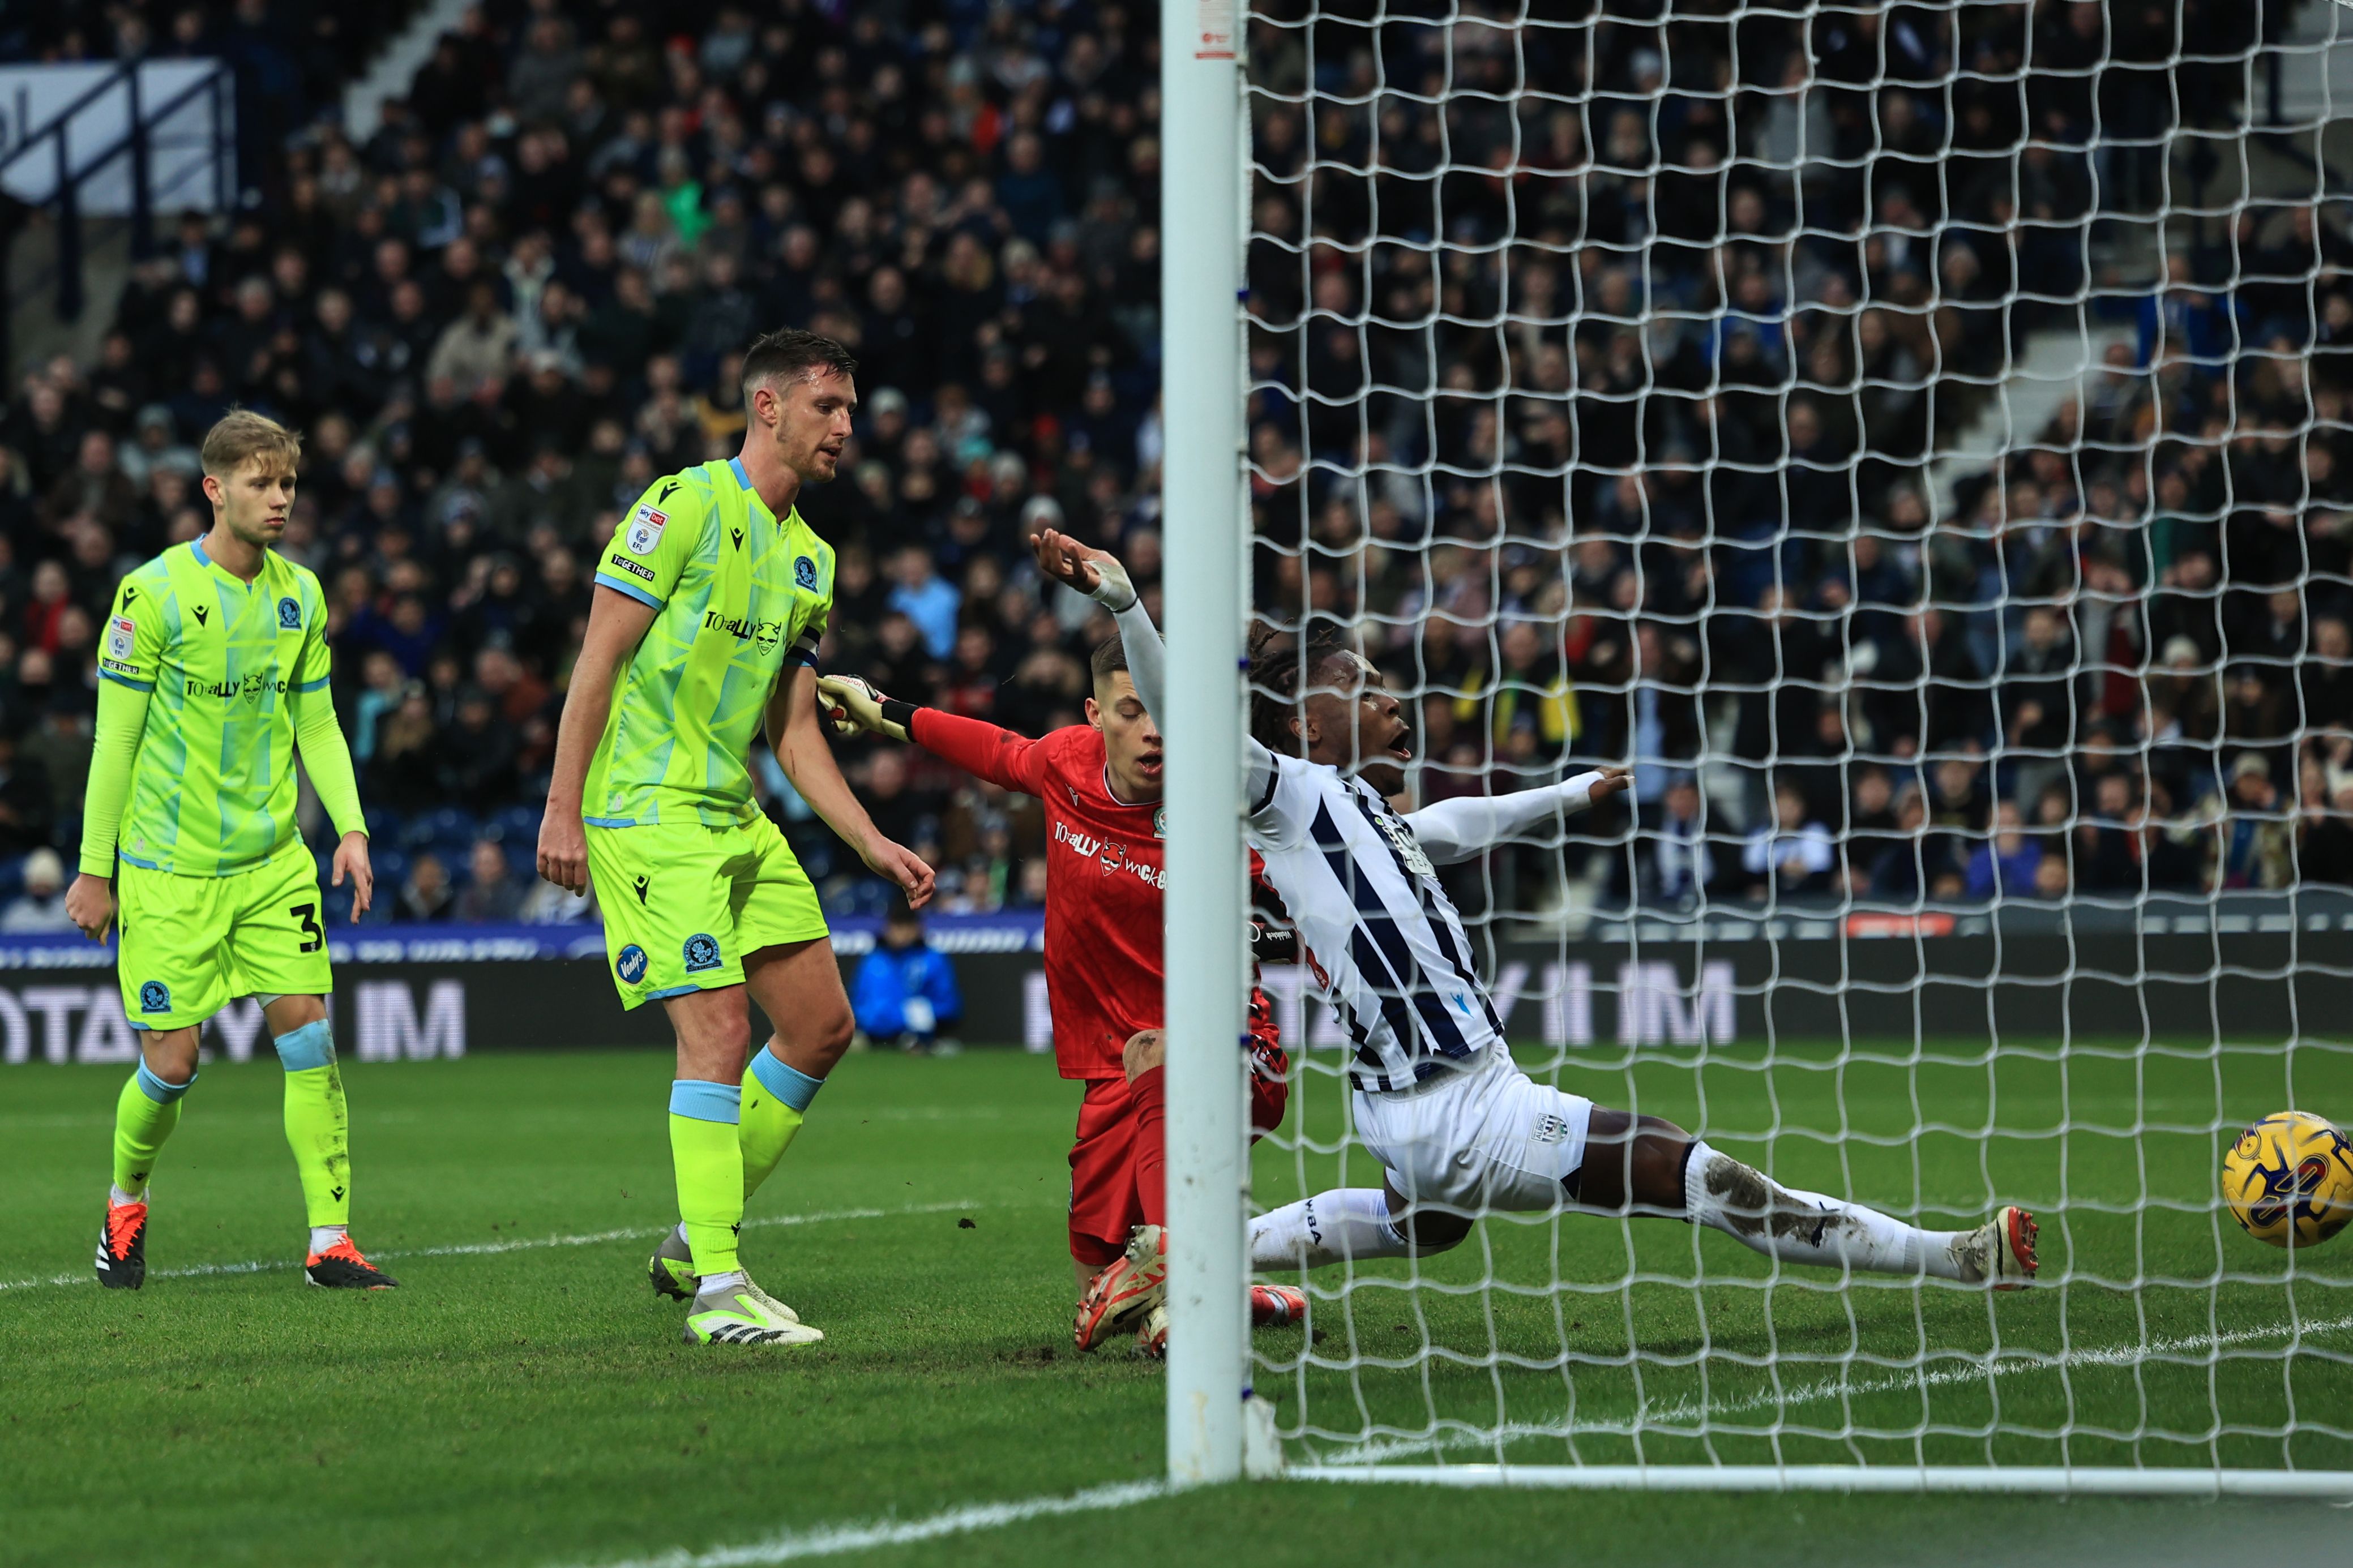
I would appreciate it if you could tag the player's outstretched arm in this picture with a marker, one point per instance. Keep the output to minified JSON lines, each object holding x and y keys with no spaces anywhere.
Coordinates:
{"x":1454,"y":830}
{"x":797,"y":732}
{"x":122,"y":720}
{"x":981,"y":749}
{"x":319,"y":737}
{"x":617,"y":624}
{"x":1098,"y":574}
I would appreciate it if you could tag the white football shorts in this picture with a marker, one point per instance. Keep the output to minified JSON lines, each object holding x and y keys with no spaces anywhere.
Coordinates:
{"x":1489,"y":1138}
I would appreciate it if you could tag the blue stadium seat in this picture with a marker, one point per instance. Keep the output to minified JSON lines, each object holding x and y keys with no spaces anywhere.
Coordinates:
{"x":518,"y":824}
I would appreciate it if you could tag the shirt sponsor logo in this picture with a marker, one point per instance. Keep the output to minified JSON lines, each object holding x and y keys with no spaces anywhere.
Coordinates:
{"x":253,"y":685}
{"x":1109,"y":858}
{"x":646,"y":527}
{"x":631,"y":965}
{"x":121,"y":637}
{"x":767,"y":634}
{"x":632,"y":567}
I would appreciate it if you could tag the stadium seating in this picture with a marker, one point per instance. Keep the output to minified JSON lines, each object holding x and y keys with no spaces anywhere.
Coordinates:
{"x":519,"y":301}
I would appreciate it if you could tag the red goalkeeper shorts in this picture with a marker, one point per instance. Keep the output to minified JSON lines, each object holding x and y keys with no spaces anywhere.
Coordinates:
{"x":1104,"y":1204}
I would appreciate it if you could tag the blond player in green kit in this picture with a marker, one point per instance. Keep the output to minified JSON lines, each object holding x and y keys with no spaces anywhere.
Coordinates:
{"x":711,"y":600}
{"x":213,"y":674}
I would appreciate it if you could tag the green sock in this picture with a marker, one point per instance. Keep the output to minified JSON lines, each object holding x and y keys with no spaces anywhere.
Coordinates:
{"x":709,"y":1164}
{"x":318,"y":1129}
{"x":776,"y":1103}
{"x":144,"y":1114}
{"x":318,"y":1124}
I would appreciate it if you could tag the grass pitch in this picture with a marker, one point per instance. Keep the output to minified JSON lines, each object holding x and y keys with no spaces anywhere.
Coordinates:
{"x":524,"y":1398}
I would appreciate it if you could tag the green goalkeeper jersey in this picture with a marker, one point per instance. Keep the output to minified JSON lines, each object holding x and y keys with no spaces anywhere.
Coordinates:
{"x":740,"y":595}
{"x":227,"y":669}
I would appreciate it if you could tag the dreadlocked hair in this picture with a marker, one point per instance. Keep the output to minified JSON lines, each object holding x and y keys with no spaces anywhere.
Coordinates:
{"x":1278,"y":660}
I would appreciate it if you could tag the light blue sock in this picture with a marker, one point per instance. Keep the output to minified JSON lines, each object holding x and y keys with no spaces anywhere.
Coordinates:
{"x":784,"y":1081}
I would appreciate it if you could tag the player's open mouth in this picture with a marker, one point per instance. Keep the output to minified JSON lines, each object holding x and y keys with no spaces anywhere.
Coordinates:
{"x":1401,"y":749}
{"x":1148,"y":764}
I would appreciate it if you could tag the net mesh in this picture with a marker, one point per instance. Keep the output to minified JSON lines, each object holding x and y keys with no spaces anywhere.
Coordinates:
{"x":1913,"y":440}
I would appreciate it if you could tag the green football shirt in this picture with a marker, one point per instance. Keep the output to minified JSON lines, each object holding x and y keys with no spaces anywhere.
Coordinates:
{"x":742,"y":596}
{"x":212,"y":785}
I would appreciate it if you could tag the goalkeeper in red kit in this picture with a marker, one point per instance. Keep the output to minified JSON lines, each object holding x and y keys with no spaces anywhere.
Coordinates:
{"x":1099,"y":783}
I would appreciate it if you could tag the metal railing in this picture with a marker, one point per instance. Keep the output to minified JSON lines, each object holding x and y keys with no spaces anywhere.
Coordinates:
{"x":53,"y":140}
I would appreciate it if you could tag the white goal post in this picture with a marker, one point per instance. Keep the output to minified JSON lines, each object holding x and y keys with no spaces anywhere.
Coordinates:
{"x":1204,"y":603}
{"x":1473,"y":311}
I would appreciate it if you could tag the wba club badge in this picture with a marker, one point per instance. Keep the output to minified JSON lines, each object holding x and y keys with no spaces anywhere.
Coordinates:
{"x":1408,"y":847}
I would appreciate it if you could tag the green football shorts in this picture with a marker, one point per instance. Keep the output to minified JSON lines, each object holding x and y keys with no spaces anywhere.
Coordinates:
{"x":191,"y":945}
{"x":683,"y":903}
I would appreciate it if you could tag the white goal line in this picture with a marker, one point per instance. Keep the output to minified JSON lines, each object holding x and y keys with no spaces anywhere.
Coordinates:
{"x":2108,"y":1480}
{"x":833,"y":1540}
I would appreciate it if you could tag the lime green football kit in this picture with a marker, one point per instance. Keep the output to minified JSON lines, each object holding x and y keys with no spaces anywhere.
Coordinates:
{"x":209,"y":685}
{"x":690,"y":874}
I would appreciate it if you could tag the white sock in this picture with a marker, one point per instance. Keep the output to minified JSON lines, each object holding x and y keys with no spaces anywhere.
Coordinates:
{"x":1330,"y":1227}
{"x":116,"y":1197}
{"x":727,"y":1281}
{"x":1798,"y":1226}
{"x":324,"y":1237}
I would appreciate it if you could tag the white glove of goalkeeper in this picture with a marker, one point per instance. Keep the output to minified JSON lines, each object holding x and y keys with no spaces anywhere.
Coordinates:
{"x":853,"y":707}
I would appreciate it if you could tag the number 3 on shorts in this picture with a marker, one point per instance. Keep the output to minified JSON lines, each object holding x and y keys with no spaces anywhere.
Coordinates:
{"x":314,"y":935}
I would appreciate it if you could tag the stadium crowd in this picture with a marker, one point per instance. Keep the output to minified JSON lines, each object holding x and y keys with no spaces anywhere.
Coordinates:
{"x":1668,"y":501}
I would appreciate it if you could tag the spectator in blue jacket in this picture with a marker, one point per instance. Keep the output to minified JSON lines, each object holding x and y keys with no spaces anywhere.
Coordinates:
{"x":905,"y":992}
{"x":2004,"y":866}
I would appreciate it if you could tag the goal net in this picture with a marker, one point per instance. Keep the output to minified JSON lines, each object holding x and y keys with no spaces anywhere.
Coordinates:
{"x":1914,"y":440}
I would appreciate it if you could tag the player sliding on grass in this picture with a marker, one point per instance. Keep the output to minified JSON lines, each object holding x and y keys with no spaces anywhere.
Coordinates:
{"x":1099,"y":784}
{"x":213,"y":674}
{"x":709,"y":604}
{"x":1439,"y":1100}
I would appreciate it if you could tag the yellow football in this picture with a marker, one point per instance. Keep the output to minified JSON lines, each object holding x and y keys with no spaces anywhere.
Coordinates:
{"x":2289,"y":1179}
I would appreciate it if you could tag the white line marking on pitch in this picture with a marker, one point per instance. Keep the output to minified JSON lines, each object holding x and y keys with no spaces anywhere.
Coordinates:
{"x":479,"y":1249}
{"x":831,"y":1540}
{"x":1688,"y":1410}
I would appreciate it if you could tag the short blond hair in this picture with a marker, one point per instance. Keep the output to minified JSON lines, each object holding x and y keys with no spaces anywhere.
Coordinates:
{"x":243,"y":435}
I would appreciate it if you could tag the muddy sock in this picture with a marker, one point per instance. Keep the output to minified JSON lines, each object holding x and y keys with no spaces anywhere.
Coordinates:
{"x":1798,"y":1226}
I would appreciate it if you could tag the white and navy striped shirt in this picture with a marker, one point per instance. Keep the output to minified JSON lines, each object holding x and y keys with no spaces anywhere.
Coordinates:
{"x":1381,"y":937}
{"x":1377,"y":931}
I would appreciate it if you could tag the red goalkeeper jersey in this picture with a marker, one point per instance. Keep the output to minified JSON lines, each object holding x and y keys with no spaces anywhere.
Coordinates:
{"x":1104,"y":884}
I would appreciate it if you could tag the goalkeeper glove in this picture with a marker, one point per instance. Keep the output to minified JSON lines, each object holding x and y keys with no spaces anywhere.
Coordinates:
{"x":853,"y":707}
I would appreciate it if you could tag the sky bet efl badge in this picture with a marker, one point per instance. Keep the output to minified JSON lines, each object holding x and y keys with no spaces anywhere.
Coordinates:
{"x":645,"y":529}
{"x":122,"y":636}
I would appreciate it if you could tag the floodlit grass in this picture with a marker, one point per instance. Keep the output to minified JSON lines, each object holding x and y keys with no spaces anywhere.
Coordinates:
{"x":529,"y":1403}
